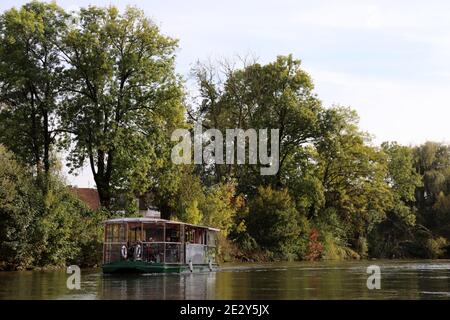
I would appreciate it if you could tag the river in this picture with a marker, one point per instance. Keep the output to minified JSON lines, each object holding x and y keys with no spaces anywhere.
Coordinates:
{"x":419,"y":279}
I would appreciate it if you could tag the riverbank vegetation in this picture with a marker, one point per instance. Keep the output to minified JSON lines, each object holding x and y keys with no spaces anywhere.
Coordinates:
{"x":99,"y":86}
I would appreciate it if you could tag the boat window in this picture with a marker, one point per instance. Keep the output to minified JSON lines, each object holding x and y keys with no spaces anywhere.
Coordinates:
{"x":189,"y":235}
{"x":200,"y":236}
{"x":134,"y":232}
{"x":172,"y":254}
{"x":122,"y":233}
{"x":153,"y":252}
{"x":115,"y":232}
{"x":173,"y":232}
{"x":109,"y":232}
{"x":212,"y":238}
{"x":195,"y":235}
{"x":154,"y":232}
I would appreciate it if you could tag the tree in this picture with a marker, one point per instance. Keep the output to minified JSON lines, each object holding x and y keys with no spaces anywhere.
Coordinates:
{"x":65,"y":227}
{"x":186,"y":199}
{"x":275,"y":224}
{"x":353,"y":175}
{"x":19,"y":210}
{"x":123,"y":97}
{"x":220,"y":205}
{"x":442,"y":208}
{"x":432,"y":162}
{"x":277,"y":95}
{"x":37,"y":229}
{"x":394,"y":236}
{"x":30,"y":82}
{"x":403,"y":179}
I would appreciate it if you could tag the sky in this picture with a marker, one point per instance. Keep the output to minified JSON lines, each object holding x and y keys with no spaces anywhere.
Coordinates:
{"x":388,"y":60}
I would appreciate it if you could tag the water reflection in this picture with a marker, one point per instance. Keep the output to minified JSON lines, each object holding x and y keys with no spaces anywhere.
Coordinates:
{"x":159,"y":286}
{"x":324,"y":280}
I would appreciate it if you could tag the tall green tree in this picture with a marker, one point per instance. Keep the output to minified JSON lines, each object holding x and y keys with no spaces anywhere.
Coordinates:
{"x":123,"y":98}
{"x":220,"y":206}
{"x":30,"y":81}
{"x":403,"y":180}
{"x":394,"y":236}
{"x":185,"y":201}
{"x":432,"y":162}
{"x":353,"y":175}
{"x":278,"y":95}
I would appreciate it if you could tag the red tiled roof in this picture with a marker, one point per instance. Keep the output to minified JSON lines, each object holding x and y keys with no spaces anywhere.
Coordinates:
{"x":88,"y":196}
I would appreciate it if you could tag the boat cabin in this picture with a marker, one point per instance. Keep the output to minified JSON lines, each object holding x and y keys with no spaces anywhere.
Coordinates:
{"x":157,"y":245}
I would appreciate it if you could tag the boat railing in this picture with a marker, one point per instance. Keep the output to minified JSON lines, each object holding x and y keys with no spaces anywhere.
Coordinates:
{"x":161,"y":252}
{"x":198,"y":253}
{"x":112,"y":251}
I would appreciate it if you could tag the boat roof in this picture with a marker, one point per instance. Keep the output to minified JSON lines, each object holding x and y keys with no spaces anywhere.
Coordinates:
{"x":145,"y":219}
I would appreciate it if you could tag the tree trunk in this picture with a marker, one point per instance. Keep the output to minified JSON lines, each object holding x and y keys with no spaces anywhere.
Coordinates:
{"x":46,"y":156}
{"x":102,"y":177}
{"x":104,"y":191}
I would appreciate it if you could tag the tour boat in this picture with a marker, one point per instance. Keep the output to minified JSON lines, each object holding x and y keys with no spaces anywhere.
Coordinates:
{"x":153,"y":245}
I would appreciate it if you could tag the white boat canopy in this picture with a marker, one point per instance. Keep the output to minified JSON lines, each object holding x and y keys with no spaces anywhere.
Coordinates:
{"x":155,"y":220}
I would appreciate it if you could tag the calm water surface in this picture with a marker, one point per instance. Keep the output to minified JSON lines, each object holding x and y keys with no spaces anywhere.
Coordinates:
{"x":428,"y":279}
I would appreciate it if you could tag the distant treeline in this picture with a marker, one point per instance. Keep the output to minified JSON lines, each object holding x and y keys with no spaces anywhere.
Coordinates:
{"x":101,"y":87}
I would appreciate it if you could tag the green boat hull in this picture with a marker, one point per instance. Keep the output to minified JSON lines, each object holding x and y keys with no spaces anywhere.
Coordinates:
{"x":126,"y":266}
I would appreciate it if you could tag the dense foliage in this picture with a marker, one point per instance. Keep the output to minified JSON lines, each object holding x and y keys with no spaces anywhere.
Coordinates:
{"x":336,"y":194}
{"x":100,"y":86}
{"x":37,"y":229}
